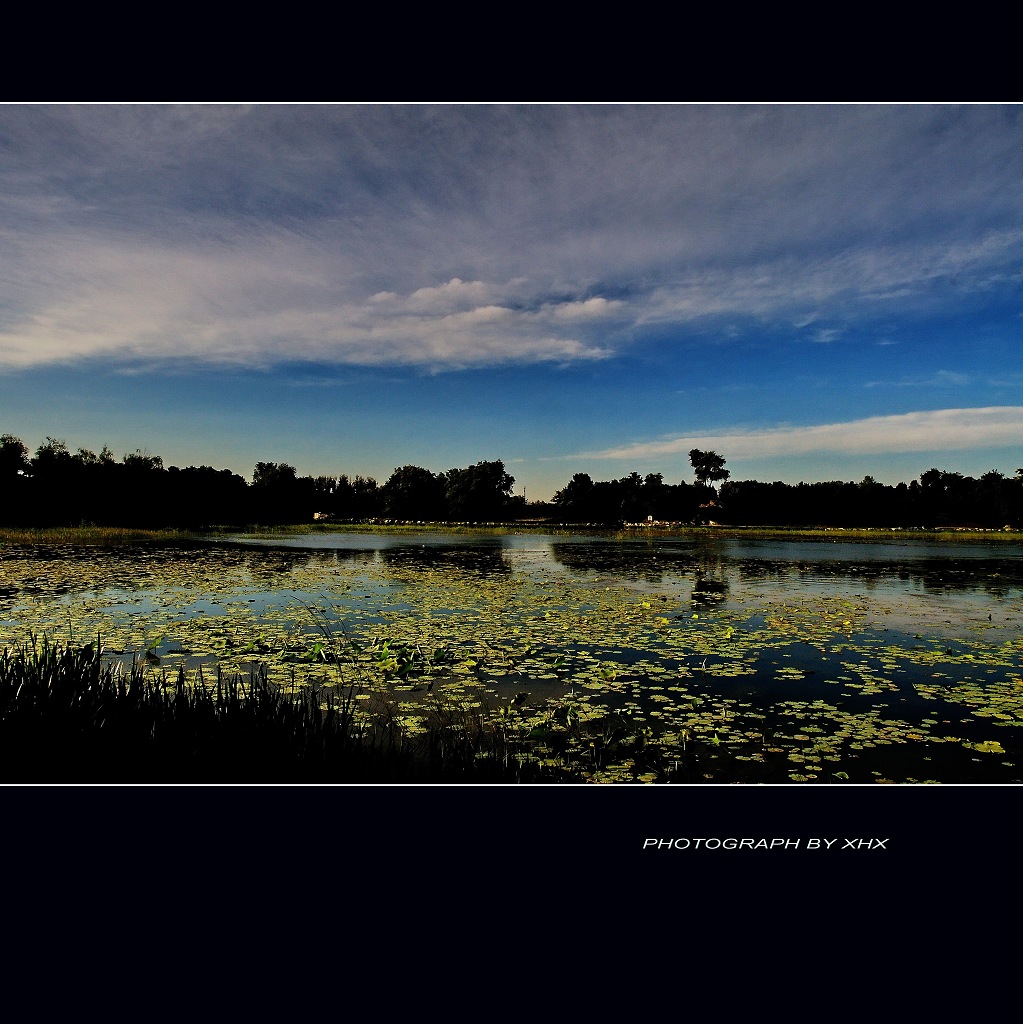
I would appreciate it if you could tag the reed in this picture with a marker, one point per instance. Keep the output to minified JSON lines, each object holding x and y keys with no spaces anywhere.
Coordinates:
{"x":90,"y":535}
{"x":817,"y":533}
{"x":69,"y":715}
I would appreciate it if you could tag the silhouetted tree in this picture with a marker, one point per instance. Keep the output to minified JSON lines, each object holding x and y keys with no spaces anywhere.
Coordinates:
{"x":275,"y":492}
{"x":708,"y":466}
{"x":412,"y":492}
{"x":273,"y":474}
{"x":478,"y":493}
{"x":574,"y":501}
{"x":323,"y":488}
{"x":14,"y":458}
{"x":51,"y":459}
{"x":56,"y":495}
{"x":91,"y":459}
{"x":356,"y":499}
{"x":199,"y":496}
{"x":14,"y":482}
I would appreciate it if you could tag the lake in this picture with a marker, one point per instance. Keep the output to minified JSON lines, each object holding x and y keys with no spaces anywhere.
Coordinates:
{"x":761,"y":661}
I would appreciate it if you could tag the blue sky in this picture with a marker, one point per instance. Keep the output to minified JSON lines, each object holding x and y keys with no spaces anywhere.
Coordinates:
{"x":814,"y":291}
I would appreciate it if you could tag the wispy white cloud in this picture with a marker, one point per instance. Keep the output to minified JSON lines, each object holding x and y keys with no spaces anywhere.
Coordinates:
{"x":588,"y":309}
{"x":940,"y":430}
{"x":939,"y":379}
{"x":826,"y":335}
{"x":454,"y":294}
{"x":273,"y":302}
{"x":478,"y":235}
{"x":850,"y":281}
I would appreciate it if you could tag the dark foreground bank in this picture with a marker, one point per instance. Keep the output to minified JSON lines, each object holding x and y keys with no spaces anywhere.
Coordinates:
{"x":69,"y":716}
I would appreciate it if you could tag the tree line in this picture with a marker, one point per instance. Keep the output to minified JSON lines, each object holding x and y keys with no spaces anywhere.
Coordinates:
{"x":936,"y":499}
{"x":57,"y":487}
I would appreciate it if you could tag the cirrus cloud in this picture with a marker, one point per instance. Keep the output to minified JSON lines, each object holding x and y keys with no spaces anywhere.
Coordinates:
{"x":937,"y":430}
{"x":274,"y":301}
{"x":464,"y":235}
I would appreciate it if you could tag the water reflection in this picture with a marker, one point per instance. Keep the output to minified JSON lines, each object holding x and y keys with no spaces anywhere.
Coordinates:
{"x":708,"y":593}
{"x":644,"y":561}
{"x":995,"y":577}
{"x":432,"y":551}
{"x":484,"y":560}
{"x":786,"y":626}
{"x":712,"y":567}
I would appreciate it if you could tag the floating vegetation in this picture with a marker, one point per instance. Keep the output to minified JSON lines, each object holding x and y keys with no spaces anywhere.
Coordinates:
{"x":66,"y":715}
{"x":584,"y":672}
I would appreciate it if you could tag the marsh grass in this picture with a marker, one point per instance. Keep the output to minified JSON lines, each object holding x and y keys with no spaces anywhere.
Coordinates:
{"x":622,"y":683}
{"x":88,"y":535}
{"x":70,"y":715}
{"x":633,"y":531}
{"x":112,"y":535}
{"x":817,"y":533}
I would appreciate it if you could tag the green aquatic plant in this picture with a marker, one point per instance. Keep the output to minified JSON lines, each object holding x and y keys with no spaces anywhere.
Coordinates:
{"x":69,"y":715}
{"x":774,"y":659}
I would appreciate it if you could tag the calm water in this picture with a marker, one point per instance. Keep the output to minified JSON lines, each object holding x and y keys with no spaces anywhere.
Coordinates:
{"x":937,"y":583}
{"x":897,"y":660}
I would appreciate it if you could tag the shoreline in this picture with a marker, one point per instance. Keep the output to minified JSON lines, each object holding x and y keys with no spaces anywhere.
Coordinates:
{"x":91,"y":535}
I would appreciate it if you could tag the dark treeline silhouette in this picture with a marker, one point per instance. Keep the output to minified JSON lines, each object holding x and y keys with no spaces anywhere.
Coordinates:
{"x":937,"y":499}
{"x":631,"y":499}
{"x":58,"y":487}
